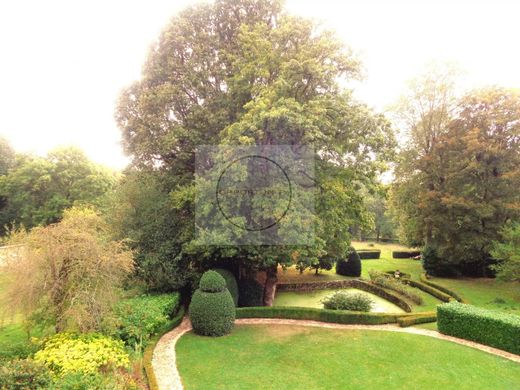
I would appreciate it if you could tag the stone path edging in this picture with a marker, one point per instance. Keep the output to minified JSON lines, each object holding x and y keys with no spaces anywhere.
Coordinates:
{"x":168,"y":377}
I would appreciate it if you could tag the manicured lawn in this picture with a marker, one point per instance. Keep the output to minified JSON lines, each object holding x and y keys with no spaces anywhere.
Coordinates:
{"x":294,"y":357}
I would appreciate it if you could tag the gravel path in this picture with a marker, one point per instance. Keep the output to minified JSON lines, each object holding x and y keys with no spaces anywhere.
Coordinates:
{"x":168,"y":378}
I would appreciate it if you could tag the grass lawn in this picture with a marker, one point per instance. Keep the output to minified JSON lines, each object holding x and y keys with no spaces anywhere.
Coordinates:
{"x":294,"y":357}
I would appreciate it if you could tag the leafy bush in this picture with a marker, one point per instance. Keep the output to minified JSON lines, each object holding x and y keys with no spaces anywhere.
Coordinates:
{"x":24,"y":374}
{"x":383,"y":280}
{"x":419,"y":318}
{"x":345,"y":301}
{"x":405,"y":254}
{"x":212,"y":310}
{"x":251,"y":293}
{"x":212,"y":281}
{"x":369,"y":253}
{"x":402,"y":275}
{"x":496,"y":329}
{"x":140,"y":317}
{"x":66,"y":353}
{"x":231,"y":283}
{"x":351,"y":266}
{"x":434,"y":265}
{"x":324,"y":315}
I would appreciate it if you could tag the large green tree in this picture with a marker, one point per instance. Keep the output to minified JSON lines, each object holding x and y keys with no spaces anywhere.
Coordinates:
{"x":456,"y":198}
{"x":36,"y":190}
{"x":245,"y":73}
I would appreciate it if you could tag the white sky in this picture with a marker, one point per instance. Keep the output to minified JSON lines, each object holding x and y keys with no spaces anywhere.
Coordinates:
{"x":62,"y":63}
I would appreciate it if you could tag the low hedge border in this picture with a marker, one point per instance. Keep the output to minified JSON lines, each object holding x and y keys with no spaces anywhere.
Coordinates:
{"x":445,"y":290}
{"x":365,"y":254}
{"x":352,"y":283}
{"x":496,"y":329}
{"x":323,"y":315}
{"x":419,"y":318}
{"x":405,"y":254}
{"x":431,"y":290}
{"x":148,"y":352}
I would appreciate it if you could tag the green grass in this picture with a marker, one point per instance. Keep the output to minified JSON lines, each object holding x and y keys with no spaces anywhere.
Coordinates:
{"x":294,"y":357}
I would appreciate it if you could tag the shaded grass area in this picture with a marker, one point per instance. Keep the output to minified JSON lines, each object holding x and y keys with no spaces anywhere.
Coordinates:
{"x":295,"y":357}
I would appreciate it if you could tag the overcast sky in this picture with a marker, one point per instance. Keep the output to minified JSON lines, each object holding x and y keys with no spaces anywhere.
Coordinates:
{"x":62,"y":63}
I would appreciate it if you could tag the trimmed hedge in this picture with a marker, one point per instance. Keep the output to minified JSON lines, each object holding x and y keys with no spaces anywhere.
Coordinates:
{"x":231,"y":283}
{"x":212,"y":310}
{"x":369,"y":253}
{"x":430,"y":290}
{"x":148,"y":352}
{"x":419,"y":318}
{"x":404,"y":275}
{"x":323,"y":315}
{"x":445,"y":290}
{"x":496,"y":329}
{"x":405,"y":254}
{"x":351,"y":266}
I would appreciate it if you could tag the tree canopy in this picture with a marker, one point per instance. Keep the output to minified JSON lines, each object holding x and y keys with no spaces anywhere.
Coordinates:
{"x":246,"y":73}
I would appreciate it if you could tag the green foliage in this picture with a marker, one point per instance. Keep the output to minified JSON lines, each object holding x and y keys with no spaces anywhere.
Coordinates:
{"x":139,"y":318}
{"x":345,"y":301}
{"x":244,"y":73}
{"x":461,"y":189}
{"x":37,"y":190}
{"x":212,"y":310}
{"x":416,"y":319}
{"x":351,"y":266}
{"x":251,"y":293}
{"x":70,"y":274}
{"x":324,"y":315}
{"x":507,"y":251}
{"x":24,"y":374}
{"x":405,"y":254}
{"x":84,"y":353}
{"x":499,"y":330}
{"x":369,"y":253}
{"x":212,"y":282}
{"x":386,"y":281}
{"x":231,"y":283}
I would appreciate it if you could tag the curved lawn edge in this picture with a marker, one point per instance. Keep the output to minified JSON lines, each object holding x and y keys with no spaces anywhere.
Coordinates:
{"x":164,"y":360}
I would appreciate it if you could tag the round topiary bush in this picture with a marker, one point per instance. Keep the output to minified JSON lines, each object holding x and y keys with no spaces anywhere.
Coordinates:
{"x":350,"y":266}
{"x":212,"y":310}
{"x":231,"y":283}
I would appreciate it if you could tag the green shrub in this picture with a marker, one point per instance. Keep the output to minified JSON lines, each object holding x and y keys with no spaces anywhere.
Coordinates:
{"x":94,"y":381}
{"x":405,"y":254}
{"x":419,"y":318}
{"x":430,"y":290}
{"x":231,"y":283}
{"x":434,"y":265}
{"x":345,"y":301}
{"x":141,"y":317}
{"x":385,"y":281}
{"x":443,"y":289}
{"x":369,"y":253}
{"x":324,"y":315}
{"x":24,"y":374}
{"x":212,"y":310}
{"x":351,"y":266}
{"x":66,"y":353}
{"x":496,"y":329}
{"x":212,"y":281}
{"x":251,"y":293}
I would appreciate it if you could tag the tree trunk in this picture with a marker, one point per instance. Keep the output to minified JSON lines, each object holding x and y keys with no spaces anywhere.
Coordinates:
{"x":270,"y":286}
